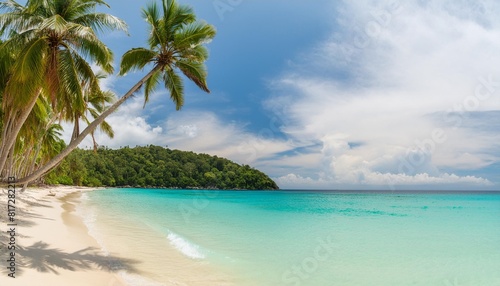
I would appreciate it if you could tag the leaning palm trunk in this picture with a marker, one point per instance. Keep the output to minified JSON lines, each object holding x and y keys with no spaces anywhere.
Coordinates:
{"x":10,"y":134}
{"x":33,"y":163}
{"x":90,"y":128}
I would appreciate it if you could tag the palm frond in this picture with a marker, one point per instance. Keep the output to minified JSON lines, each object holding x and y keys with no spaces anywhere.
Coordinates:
{"x":178,"y":16}
{"x":94,"y":112}
{"x":198,"y":54}
{"x":104,"y":97}
{"x":104,"y":126}
{"x":107,"y":129}
{"x":40,"y":111}
{"x":152,"y":15}
{"x":55,"y":23}
{"x":11,"y":6}
{"x":28,"y":72}
{"x":195,"y":71}
{"x":151,"y":85}
{"x":194,"y":34}
{"x":7,"y":60}
{"x":173,"y":83}
{"x":86,"y":42}
{"x":98,"y":99}
{"x":81,"y":8}
{"x":102,"y":22}
{"x":71,"y":94}
{"x":14,"y":18}
{"x":89,"y":79}
{"x":136,"y":59}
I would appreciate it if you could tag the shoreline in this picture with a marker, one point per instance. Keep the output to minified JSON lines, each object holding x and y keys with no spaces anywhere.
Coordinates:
{"x":160,"y":259}
{"x":51,"y":241}
{"x":57,"y":243}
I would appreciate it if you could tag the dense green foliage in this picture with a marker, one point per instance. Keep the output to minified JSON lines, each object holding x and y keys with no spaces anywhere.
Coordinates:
{"x":155,"y":166}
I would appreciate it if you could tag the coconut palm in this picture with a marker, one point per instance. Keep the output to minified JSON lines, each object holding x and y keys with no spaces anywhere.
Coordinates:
{"x":175,"y":46}
{"x":27,"y":146}
{"x":53,"y":41}
{"x":95,"y":104}
{"x":49,"y":144}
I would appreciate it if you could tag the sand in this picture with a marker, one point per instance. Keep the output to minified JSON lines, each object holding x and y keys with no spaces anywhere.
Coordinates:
{"x":53,"y":246}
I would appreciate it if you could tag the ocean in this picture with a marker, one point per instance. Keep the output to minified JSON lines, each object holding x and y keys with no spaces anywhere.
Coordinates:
{"x":196,"y":237}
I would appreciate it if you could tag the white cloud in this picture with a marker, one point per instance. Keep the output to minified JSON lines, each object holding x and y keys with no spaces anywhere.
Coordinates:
{"x":389,"y":68}
{"x":205,"y":132}
{"x":197,"y":131}
{"x":385,"y":101}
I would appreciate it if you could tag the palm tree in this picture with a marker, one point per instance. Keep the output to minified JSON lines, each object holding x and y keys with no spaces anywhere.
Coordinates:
{"x":95,"y":104}
{"x":176,"y":45}
{"x":53,"y":40}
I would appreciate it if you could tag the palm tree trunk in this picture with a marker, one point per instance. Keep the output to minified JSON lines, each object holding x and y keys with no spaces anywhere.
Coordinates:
{"x":33,"y":163}
{"x":10,"y":137}
{"x":24,"y":161}
{"x":90,"y":128}
{"x":76,"y":128}
{"x":3,"y":150}
{"x":10,"y":165}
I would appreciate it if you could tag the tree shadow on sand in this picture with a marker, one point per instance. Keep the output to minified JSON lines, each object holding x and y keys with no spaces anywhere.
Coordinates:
{"x":29,"y":200}
{"x":42,"y":258}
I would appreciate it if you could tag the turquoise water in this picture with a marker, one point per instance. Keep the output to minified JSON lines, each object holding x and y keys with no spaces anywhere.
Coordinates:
{"x":320,"y":238}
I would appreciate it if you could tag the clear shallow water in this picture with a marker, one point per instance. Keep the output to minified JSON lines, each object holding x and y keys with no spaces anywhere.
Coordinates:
{"x":315,"y":238}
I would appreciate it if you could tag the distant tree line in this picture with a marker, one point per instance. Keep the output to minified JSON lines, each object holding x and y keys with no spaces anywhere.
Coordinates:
{"x":155,"y":166}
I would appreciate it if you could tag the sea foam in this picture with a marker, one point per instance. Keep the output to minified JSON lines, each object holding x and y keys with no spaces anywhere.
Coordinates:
{"x":187,"y":248}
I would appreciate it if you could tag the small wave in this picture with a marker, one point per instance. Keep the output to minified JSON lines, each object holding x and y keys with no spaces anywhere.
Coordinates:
{"x":189,"y":249}
{"x":84,"y":197}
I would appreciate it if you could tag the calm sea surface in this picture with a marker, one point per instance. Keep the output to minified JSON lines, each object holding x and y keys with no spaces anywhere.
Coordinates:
{"x":308,"y":237}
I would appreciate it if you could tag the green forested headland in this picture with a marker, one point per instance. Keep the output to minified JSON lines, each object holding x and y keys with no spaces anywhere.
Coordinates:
{"x":155,"y":166}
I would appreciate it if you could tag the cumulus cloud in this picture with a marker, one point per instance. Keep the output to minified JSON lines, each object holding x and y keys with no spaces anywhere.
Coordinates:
{"x":194,"y":130}
{"x":389,"y":95}
{"x":205,"y":132}
{"x":402,"y":94}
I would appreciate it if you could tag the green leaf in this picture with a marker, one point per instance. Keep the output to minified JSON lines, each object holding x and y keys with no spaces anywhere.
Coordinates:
{"x":136,"y":59}
{"x":28,"y":72}
{"x":151,"y":85}
{"x":194,"y":71}
{"x":193,"y":35}
{"x":173,"y":83}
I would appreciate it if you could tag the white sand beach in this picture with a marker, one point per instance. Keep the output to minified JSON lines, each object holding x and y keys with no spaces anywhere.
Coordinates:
{"x":54,"y":247}
{"x":52,"y":243}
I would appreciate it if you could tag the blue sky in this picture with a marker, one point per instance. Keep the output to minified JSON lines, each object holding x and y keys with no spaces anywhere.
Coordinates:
{"x":333,"y":94}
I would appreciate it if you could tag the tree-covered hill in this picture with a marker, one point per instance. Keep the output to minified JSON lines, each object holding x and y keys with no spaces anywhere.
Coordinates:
{"x":155,"y":166}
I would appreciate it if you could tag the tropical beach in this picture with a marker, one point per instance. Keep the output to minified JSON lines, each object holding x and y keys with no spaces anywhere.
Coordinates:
{"x":243,"y":143}
{"x":53,"y":245}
